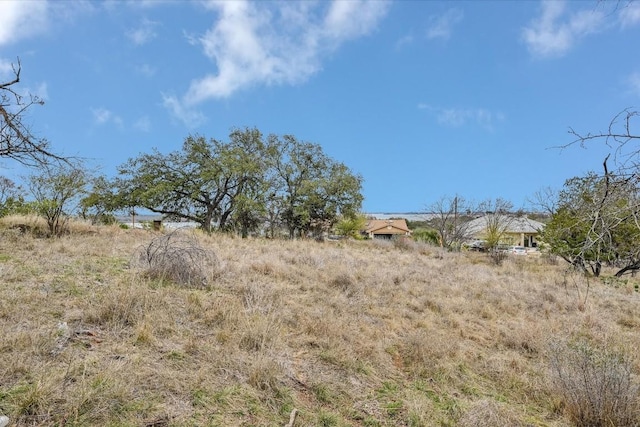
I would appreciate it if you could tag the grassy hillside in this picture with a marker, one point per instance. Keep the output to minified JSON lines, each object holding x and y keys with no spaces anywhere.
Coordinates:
{"x":346,"y":334}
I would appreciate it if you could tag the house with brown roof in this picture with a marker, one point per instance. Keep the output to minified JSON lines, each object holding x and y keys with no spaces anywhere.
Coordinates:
{"x":386,"y":228}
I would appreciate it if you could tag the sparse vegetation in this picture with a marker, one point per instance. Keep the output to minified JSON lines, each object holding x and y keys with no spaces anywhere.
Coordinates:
{"x":595,"y":383}
{"x":348,"y":333}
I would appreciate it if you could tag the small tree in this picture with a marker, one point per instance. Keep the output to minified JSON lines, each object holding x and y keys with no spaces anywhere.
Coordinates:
{"x":11,"y":198}
{"x":351,"y":226}
{"x":498,"y":219}
{"x":56,"y":191}
{"x":450,"y":220}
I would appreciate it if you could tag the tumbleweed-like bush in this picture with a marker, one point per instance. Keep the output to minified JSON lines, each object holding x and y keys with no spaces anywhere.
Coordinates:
{"x":178,"y":257}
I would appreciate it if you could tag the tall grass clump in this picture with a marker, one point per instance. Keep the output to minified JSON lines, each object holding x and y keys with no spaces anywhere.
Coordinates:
{"x":178,"y":257}
{"x":596,"y":384}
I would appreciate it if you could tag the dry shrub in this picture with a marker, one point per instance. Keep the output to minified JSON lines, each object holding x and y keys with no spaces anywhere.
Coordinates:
{"x":595,"y":383}
{"x":343,"y":282}
{"x":403,"y":243}
{"x":264,"y":373}
{"x":488,"y":413}
{"x":26,"y":224}
{"x":178,"y":257}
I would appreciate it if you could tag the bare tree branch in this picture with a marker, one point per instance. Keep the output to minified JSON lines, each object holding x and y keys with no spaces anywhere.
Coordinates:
{"x":17,"y":142}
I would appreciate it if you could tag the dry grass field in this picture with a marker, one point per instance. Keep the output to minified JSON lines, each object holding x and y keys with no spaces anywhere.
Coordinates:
{"x":344,"y":333}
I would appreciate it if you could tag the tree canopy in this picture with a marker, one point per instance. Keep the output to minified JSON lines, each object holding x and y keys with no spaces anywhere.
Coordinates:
{"x":243,"y":183}
{"x":596,"y":223}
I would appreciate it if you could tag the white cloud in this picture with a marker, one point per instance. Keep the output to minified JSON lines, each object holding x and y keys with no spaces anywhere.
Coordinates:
{"x":102,"y":116}
{"x":458,"y":117}
{"x":555,"y":31}
{"x":350,"y":19}
{"x":22,"y":19}
{"x":265,"y":43}
{"x":440,"y":27}
{"x":144,"y":33}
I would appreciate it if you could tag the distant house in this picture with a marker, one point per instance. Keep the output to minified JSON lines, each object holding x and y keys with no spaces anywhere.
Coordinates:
{"x":518,"y":230}
{"x":386,"y":228}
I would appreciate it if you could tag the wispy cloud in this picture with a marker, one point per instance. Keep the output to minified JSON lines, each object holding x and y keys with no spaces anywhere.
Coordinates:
{"x":103,"y":116}
{"x":189,"y":116}
{"x":145,"y":70}
{"x":630,"y":14}
{"x":634,"y":83}
{"x":404,"y":40}
{"x":143,"y":124}
{"x":441,"y":27}
{"x":264,"y":43}
{"x":6,"y":68}
{"x":144,"y":33}
{"x":556,"y":31}
{"x":41,"y":91}
{"x":459,"y":117}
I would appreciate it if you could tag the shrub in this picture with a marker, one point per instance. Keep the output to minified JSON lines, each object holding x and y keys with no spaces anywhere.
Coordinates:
{"x":595,"y":384}
{"x":178,"y":257}
{"x":402,"y":243}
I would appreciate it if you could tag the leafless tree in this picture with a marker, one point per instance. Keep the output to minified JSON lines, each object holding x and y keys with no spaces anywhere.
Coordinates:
{"x":17,"y":142}
{"x":497,"y":219}
{"x":450,"y":218}
{"x":621,"y":136}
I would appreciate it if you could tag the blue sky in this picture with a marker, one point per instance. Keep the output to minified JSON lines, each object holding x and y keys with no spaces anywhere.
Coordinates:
{"x":422,"y":98}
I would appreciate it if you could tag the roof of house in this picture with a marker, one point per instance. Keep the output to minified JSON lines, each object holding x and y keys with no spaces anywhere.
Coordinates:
{"x":513,"y":224}
{"x":386,"y":226}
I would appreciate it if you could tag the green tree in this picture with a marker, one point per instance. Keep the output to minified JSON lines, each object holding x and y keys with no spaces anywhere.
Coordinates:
{"x":596,"y":223}
{"x":11,"y":199}
{"x":56,"y":191}
{"x":311,"y":190}
{"x":242,"y":184}
{"x":100,"y":202}
{"x":426,"y":235}
{"x":244,"y":162}
{"x":610,"y":200}
{"x":203,"y":182}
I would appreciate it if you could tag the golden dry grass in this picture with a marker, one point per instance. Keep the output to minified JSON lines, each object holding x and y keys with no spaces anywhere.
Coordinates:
{"x":350,"y":334}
